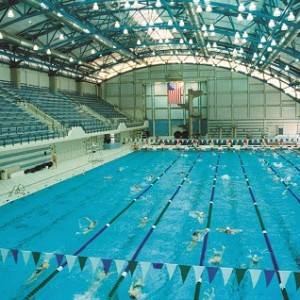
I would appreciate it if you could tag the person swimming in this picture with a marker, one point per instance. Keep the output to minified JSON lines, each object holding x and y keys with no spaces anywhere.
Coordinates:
{"x":91,"y":225}
{"x":197,"y":236}
{"x":135,"y":188}
{"x":228,"y":230}
{"x":150,"y":177}
{"x":197,"y":214}
{"x":143,"y":222}
{"x":216,"y":259}
{"x":34,"y":276}
{"x":135,"y":289}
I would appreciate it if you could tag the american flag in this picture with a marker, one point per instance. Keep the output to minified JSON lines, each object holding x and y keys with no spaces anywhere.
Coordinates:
{"x":175,"y":92}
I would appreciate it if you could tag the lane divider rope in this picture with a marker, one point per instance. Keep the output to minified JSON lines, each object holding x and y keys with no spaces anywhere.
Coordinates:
{"x":107,"y":225}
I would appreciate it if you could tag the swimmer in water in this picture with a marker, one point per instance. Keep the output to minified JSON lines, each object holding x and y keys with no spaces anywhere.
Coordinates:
{"x":197,"y":214}
{"x":228,"y":230}
{"x":135,"y":289}
{"x":107,"y":177}
{"x":90,"y":227}
{"x":197,"y":236}
{"x":135,"y":189}
{"x":150,"y":177}
{"x":120,"y":169}
{"x":216,"y":259}
{"x":254,"y":260}
{"x":143,"y":222}
{"x":34,"y":276}
{"x":210,"y":295}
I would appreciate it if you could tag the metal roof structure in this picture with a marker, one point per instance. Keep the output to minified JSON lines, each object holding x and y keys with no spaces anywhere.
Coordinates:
{"x":96,"y":40}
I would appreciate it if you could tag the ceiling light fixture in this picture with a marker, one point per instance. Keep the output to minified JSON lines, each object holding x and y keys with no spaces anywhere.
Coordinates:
{"x":252,"y":6}
{"x":181,"y":23}
{"x":158,"y":4}
{"x":208,"y":8}
{"x":48,"y":52}
{"x":249,"y":17}
{"x":10,"y":13}
{"x":1,"y":36}
{"x":199,"y":9}
{"x":125,"y":31}
{"x":271,"y":24}
{"x":35,"y":47}
{"x":284,"y":27}
{"x":95,"y":6}
{"x":291,"y":17}
{"x":240,"y":18}
{"x":276,"y":12}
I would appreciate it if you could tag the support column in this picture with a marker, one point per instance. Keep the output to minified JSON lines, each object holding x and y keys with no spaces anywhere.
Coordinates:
{"x":52,"y":81}
{"x":190,"y":102}
{"x":15,"y":77}
{"x":79,"y":87}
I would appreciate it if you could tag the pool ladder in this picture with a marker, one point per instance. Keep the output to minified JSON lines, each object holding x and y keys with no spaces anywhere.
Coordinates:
{"x":17,"y":189}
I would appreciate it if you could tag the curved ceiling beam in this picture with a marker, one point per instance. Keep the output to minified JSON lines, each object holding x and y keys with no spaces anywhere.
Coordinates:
{"x":61,"y":15}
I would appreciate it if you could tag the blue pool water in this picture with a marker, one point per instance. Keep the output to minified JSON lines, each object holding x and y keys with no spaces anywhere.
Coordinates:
{"x":256,"y":192}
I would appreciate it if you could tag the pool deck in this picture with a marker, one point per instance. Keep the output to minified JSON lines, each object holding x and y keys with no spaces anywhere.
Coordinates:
{"x":24,"y":184}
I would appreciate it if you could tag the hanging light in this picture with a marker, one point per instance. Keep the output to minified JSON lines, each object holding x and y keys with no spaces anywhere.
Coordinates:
{"x":263,"y":39}
{"x":127,"y":4}
{"x":48,"y":52}
{"x":273,"y":43}
{"x":205,"y":34}
{"x":199,"y":9}
{"x":117,"y":24}
{"x":10,"y":13}
{"x":241,"y":7}
{"x":245,"y":35}
{"x":1,"y":36}
{"x":208,"y":8}
{"x":208,"y":45}
{"x":271,"y":24}
{"x":95,"y":6}
{"x":71,"y":59}
{"x":212,"y":33}
{"x":240,"y":18}
{"x":211,"y":27}
{"x":284,"y":27}
{"x":35,"y":47}
{"x":287,"y":68}
{"x":181,"y":41}
{"x":252,"y":6}
{"x":61,"y":36}
{"x":203,"y":28}
{"x":236,"y":41}
{"x":190,"y":41}
{"x":125,"y":31}
{"x":170,"y":23}
{"x":158,"y":4}
{"x":291,"y":17}
{"x":138,"y":42}
{"x":215,"y":45}
{"x":181,"y":23}
{"x":270,"y":49}
{"x":234,"y":52}
{"x":249,"y":17}
{"x":276,"y":12}
{"x":260,"y":46}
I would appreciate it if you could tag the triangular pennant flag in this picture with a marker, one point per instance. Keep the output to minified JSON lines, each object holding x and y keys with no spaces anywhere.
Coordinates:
{"x":120,"y":265}
{"x":48,"y":256}
{"x":184,"y":270}
{"x":15,"y":253}
{"x":171,"y":269}
{"x":82,"y":261}
{"x":198,"y":270}
{"x":36,"y":257}
{"x":94,"y":262}
{"x":70,"y":260}
{"x":145,"y":267}
{"x":106,"y":264}
{"x":269,"y":275}
{"x":297,"y":279}
{"x":255,"y":274}
{"x":284,"y":277}
{"x":240,"y":274}
{"x":59,"y":258}
{"x":212,"y":271}
{"x":132,"y":266}
{"x":26,"y":255}
{"x":158,"y":265}
{"x":4,"y":253}
{"x":226,"y":272}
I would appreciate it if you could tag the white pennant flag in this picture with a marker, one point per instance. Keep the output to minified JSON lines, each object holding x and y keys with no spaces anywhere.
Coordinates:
{"x":255,"y":274}
{"x":26,"y":255}
{"x":284,"y":276}
{"x":4,"y":253}
{"x":120,"y":265}
{"x":94,"y":262}
{"x":48,"y":256}
{"x":198,"y":270}
{"x":226,"y":272}
{"x":171,"y":269}
{"x":145,"y":268}
{"x":70,"y":260}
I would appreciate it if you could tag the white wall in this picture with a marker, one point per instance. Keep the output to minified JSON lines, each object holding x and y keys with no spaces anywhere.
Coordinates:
{"x":232,"y":98}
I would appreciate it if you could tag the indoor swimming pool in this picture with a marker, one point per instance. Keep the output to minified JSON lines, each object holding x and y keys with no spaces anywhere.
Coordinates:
{"x":160,"y":225}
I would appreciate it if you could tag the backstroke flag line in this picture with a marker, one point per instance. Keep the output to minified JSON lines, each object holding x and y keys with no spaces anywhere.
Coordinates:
{"x":175,"y":92}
